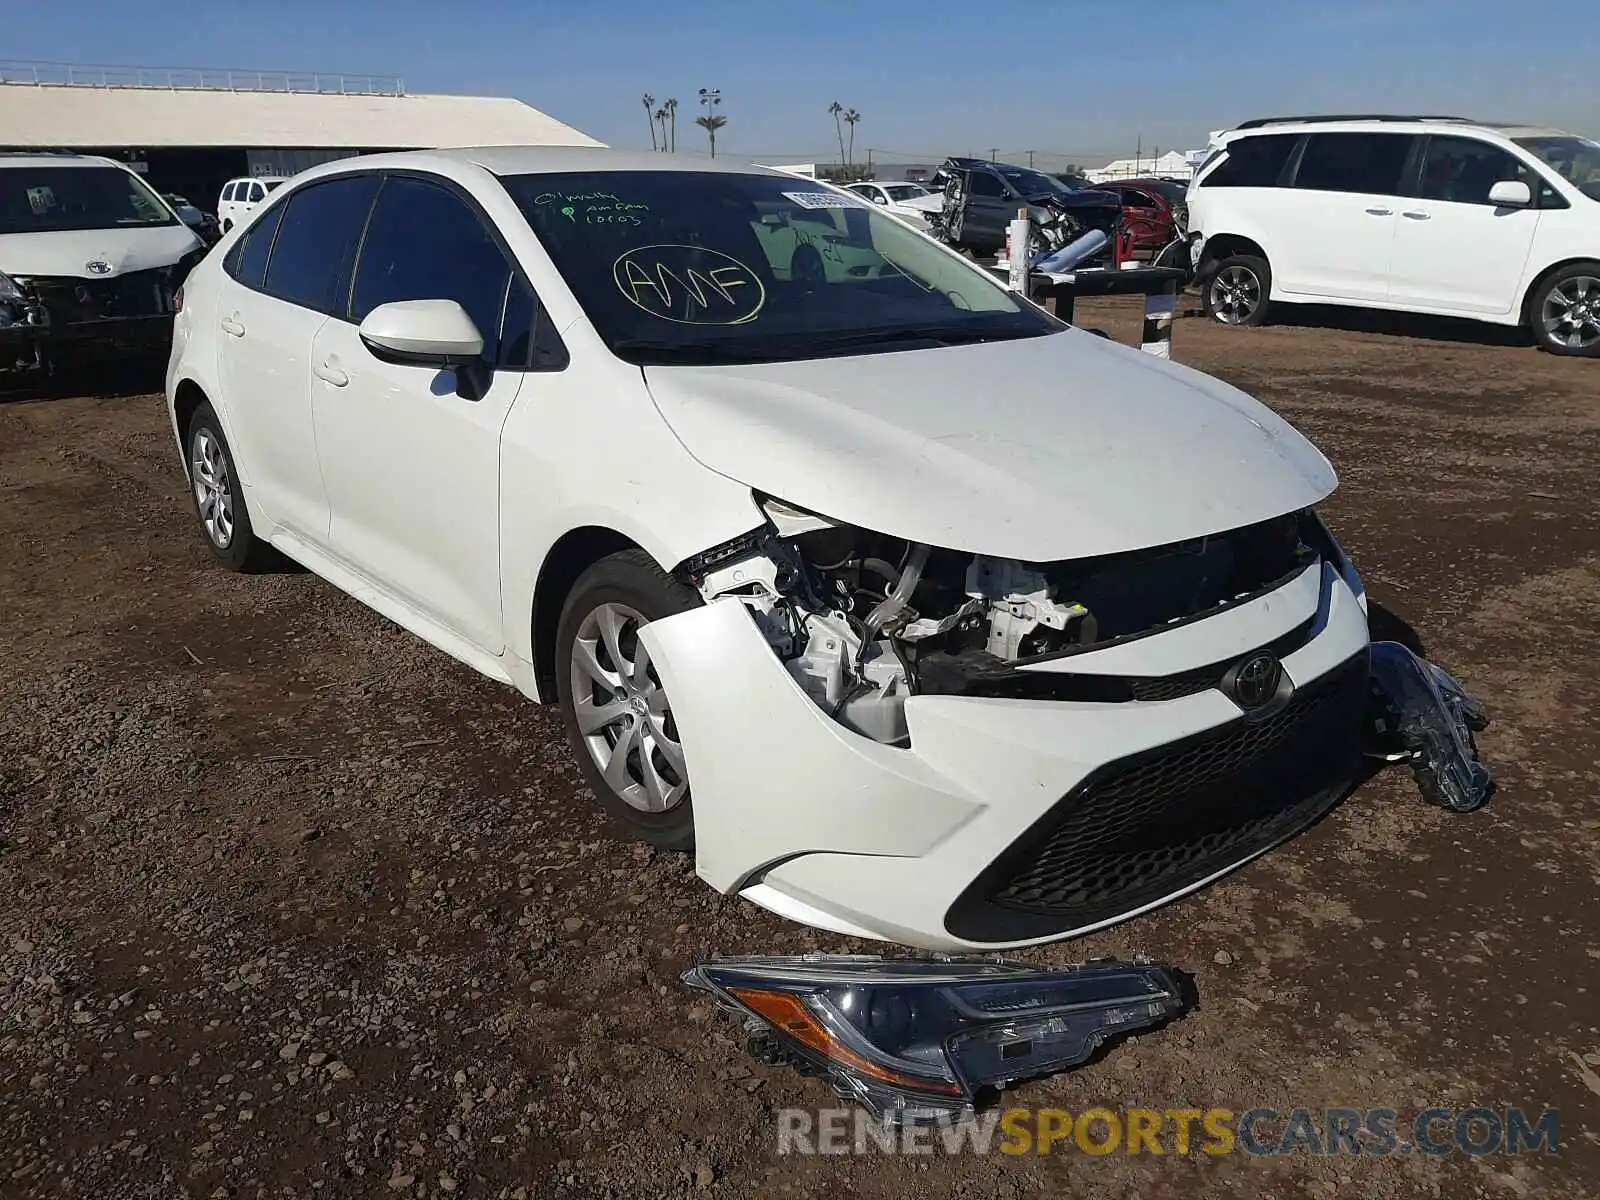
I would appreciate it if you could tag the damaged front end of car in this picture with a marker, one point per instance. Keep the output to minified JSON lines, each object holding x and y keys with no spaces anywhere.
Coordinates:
{"x":863,"y":620}
{"x":50,"y":322}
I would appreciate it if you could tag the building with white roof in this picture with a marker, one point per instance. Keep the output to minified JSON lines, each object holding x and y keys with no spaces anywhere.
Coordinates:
{"x":190,"y":131}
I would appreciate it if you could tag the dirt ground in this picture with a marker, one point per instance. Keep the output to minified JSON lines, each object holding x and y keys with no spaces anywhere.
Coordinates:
{"x":297,"y":906}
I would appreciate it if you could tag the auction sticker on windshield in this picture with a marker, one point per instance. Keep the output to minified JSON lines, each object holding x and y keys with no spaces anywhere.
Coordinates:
{"x":690,"y":285}
{"x":825,"y":200}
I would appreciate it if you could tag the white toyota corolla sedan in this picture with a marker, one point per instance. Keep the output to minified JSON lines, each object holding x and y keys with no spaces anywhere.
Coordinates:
{"x":914,"y":612}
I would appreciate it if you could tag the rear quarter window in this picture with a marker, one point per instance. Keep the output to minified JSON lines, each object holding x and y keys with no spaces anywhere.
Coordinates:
{"x":1257,"y":161}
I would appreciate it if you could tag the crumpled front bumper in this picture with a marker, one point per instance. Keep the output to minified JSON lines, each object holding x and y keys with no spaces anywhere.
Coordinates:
{"x":831,"y":829}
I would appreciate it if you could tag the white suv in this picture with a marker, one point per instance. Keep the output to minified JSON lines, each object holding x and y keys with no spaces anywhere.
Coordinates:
{"x":240,"y":196}
{"x":1498,"y":223}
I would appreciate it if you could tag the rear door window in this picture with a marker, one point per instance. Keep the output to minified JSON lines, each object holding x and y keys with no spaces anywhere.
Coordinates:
{"x":248,"y":261}
{"x":1362,"y":163}
{"x":1253,"y":162}
{"x":316,"y":244}
{"x":227,"y":193}
{"x":985,"y":184}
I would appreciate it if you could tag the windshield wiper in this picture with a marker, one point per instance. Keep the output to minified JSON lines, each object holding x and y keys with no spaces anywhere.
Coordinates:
{"x":711,"y":351}
{"x":935,"y":337}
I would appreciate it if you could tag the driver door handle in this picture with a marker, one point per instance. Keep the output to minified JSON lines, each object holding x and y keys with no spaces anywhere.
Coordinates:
{"x":232,"y":326}
{"x":1381,"y":212}
{"x":328,"y":372}
{"x":1416,"y":216}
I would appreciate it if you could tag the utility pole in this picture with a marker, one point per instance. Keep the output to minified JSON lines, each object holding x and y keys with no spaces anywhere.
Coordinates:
{"x":1030,"y":160}
{"x":993,"y":152}
{"x":869,"y":164}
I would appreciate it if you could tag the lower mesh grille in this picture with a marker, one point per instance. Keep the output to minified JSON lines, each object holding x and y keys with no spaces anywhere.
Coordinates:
{"x":1139,"y":829}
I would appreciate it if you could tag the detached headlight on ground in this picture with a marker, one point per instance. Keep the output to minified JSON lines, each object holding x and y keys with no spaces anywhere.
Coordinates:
{"x":917,"y":1039}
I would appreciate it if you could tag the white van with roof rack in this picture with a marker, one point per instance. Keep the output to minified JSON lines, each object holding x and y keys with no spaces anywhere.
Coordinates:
{"x":1438,"y":215}
{"x":91,"y":260}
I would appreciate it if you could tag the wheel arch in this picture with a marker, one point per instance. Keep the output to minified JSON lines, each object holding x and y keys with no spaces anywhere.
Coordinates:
{"x":187,"y":398}
{"x":573,"y":553}
{"x":1543,"y":277}
{"x":1225,"y":245}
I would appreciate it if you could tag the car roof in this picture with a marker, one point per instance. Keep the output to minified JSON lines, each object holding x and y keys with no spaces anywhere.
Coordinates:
{"x":539,"y":160}
{"x":1386,"y":124}
{"x":58,"y":160}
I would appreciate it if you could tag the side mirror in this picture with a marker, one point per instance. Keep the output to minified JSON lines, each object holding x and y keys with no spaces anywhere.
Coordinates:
{"x":1510,"y":193}
{"x":424,"y":333}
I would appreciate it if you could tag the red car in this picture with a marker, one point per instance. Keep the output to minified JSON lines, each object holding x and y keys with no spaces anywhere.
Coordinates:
{"x":1154,"y":211}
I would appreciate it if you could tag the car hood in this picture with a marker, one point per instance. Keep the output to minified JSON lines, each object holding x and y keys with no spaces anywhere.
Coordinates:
{"x":931,"y":203}
{"x":1061,"y":446}
{"x":68,"y":253}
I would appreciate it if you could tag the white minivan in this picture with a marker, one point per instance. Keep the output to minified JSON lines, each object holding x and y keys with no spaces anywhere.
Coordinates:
{"x":91,"y":261}
{"x":1440,"y":215}
{"x":240,"y":196}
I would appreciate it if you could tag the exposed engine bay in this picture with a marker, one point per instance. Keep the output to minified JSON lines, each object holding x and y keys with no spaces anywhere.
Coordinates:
{"x":863,"y":620}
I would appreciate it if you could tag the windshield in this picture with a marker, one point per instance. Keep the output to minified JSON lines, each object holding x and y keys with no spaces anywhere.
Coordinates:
{"x":55,"y":199}
{"x":1032,"y":183}
{"x":273,"y":184}
{"x":1576,"y":159}
{"x":707,"y":267}
{"x":905,"y":191}
{"x":1175,"y":193}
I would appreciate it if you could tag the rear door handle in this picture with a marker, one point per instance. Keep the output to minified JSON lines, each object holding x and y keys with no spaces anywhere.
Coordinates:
{"x":232,"y":326}
{"x":328,"y":372}
{"x":1417,"y":216}
{"x":1381,"y":212}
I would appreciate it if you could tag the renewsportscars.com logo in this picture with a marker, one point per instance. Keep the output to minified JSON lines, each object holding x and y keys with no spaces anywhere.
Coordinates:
{"x":1263,"y":1132}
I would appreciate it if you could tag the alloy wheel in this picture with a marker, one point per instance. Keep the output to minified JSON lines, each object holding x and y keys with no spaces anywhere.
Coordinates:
{"x":622,"y":711}
{"x":1235,"y":295}
{"x":1571,"y":313}
{"x":213,"y":487}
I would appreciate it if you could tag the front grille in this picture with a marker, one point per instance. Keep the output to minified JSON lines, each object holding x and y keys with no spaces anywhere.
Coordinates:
{"x":1203,"y":679}
{"x":980,"y":674}
{"x":1139,"y":829}
{"x":70,"y":301}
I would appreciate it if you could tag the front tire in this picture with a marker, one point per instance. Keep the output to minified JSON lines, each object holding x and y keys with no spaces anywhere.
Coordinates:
{"x":219,"y":499}
{"x":1237,"y":289}
{"x":618,"y":719}
{"x":1564,"y":314}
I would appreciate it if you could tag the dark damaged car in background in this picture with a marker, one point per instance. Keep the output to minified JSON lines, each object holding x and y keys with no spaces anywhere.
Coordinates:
{"x":91,"y":260}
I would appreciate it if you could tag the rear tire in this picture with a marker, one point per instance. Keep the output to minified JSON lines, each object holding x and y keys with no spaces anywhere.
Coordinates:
{"x":1564,"y":312}
{"x":613,"y":702}
{"x":1236,"y":290}
{"x":219,"y":498}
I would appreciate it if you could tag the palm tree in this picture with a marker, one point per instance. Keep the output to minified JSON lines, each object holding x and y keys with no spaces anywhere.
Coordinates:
{"x":661,"y":120}
{"x":851,"y":116}
{"x":672,"y":115}
{"x":649,"y":113}
{"x":834,"y":110}
{"x":711,"y":125}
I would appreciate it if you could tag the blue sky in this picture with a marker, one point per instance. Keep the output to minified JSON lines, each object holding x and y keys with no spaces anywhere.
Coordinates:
{"x":930,"y":77}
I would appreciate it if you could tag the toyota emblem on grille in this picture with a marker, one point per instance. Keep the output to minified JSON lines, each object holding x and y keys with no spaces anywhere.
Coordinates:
{"x":98,"y":266}
{"x":1255,"y":680}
